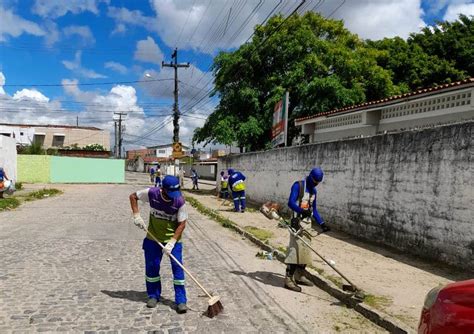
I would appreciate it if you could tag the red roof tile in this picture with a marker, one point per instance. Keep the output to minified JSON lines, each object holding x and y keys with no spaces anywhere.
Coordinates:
{"x":435,"y":89}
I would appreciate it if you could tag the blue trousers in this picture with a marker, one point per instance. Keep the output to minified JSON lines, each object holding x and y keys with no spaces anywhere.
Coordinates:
{"x":153,"y":255}
{"x":158,"y":182}
{"x":239,"y":200}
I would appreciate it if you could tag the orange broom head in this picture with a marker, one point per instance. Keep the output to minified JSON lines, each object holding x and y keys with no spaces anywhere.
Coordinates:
{"x":215,"y":307}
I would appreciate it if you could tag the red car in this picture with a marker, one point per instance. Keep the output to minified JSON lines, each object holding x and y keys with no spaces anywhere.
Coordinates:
{"x":449,"y":309}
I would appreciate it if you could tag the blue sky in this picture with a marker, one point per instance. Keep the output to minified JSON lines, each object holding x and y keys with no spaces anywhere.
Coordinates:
{"x":66,"y":47}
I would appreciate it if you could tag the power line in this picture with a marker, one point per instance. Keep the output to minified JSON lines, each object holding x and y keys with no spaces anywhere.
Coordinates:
{"x":88,"y":83}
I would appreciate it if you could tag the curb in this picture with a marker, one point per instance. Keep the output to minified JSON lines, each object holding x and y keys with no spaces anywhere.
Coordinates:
{"x":376,"y":316}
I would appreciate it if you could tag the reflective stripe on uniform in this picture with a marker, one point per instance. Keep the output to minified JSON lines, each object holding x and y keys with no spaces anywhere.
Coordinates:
{"x":178,"y":281}
{"x":152,"y":279}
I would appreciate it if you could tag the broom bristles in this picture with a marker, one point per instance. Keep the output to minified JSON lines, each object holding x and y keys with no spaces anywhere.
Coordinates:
{"x":215,"y":307}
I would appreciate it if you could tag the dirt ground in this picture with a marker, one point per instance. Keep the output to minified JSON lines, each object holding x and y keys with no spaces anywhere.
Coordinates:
{"x":397,"y":282}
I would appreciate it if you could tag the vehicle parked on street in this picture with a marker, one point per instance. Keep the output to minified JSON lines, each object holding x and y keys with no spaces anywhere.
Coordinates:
{"x":449,"y":309}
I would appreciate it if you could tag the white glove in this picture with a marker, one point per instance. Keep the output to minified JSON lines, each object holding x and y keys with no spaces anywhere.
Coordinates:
{"x":169,"y":246}
{"x":138,"y":221}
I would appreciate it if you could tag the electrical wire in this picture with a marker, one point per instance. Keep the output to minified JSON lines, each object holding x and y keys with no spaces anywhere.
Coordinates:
{"x":88,"y":83}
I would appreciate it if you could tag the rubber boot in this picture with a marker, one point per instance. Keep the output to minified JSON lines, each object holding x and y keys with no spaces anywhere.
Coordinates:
{"x":301,"y":279}
{"x":290,"y":284}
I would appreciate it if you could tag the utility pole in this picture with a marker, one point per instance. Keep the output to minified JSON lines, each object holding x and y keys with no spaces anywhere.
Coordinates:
{"x":118,"y":134}
{"x":175,"y":65}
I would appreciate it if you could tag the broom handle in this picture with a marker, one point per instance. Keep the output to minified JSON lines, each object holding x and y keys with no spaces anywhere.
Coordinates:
{"x":179,"y":264}
{"x":309,"y":246}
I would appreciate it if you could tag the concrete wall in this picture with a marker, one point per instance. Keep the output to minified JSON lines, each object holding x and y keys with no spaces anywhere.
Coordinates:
{"x":205,"y":171}
{"x":411,"y":190}
{"x":53,"y":169}
{"x":34,"y":168}
{"x":8,"y":156}
{"x":87,"y":170}
{"x":79,"y":136}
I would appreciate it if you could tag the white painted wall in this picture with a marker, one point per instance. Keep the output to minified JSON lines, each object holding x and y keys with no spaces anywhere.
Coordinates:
{"x":8,"y":156}
{"x":23,"y":135}
{"x":411,"y":190}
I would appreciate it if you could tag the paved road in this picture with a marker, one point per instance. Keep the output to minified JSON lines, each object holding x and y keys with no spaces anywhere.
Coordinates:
{"x":74,"y":263}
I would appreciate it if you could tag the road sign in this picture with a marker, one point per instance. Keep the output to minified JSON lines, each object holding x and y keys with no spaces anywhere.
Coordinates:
{"x":177,"y":150}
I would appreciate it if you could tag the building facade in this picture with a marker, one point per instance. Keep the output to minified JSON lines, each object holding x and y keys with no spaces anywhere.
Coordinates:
{"x":56,"y":136}
{"x":430,"y":107}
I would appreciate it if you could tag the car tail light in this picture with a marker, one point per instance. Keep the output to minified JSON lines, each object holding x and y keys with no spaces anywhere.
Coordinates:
{"x":431,"y":297}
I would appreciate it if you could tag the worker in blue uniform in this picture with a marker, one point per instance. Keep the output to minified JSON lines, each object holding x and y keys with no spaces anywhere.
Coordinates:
{"x":302,"y":202}
{"x":237,"y":187}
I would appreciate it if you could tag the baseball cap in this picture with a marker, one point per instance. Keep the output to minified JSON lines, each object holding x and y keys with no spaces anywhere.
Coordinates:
{"x":171,"y":185}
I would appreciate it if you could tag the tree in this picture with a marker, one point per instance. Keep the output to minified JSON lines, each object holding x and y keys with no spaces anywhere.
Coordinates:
{"x":452,"y":41}
{"x":317,"y":60}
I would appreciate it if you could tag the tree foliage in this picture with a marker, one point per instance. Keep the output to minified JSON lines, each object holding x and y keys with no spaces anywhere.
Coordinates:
{"x":323,"y":66}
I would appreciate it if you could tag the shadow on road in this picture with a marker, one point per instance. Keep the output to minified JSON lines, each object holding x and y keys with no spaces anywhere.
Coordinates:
{"x":136,"y":296}
{"x":277,"y":280}
{"x":264,"y":277}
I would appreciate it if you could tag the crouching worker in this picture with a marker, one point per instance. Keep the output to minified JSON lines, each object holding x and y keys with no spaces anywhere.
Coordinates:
{"x":168,"y":217}
{"x":302,"y":202}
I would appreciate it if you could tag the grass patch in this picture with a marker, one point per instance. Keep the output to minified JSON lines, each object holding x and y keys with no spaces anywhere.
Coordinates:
{"x":202,"y":191}
{"x":282,"y":249}
{"x":318,"y":270}
{"x":43,"y":193}
{"x":335,"y":279}
{"x":213,"y":214}
{"x":19,"y":185}
{"x":259,"y":233}
{"x":377,"y":301}
{"x":9,"y":203}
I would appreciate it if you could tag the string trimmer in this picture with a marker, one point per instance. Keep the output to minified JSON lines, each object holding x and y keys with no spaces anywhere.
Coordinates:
{"x":351,"y":287}
{"x":215,"y":306}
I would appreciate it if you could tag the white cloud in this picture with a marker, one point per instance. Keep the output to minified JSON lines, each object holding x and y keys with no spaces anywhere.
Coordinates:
{"x":58,"y":8}
{"x":453,"y":11}
{"x":14,"y":26}
{"x":2,"y":83}
{"x":76,"y":67}
{"x":119,"y":29}
{"x":117,"y":67}
{"x":30,"y":94}
{"x":132,"y":17}
{"x":148,"y":51}
{"x":202,"y":26}
{"x":97,"y":109}
{"x":52,"y":33}
{"x":376,"y":19}
{"x":82,"y":31}
{"x":192,"y":83}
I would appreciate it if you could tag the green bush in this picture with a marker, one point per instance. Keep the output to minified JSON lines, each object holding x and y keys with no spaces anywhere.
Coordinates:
{"x":8,"y":203}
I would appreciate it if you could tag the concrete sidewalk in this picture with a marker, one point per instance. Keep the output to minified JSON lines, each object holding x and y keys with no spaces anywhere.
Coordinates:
{"x":396,"y":284}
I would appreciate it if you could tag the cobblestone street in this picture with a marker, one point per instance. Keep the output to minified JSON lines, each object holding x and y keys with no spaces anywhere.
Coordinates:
{"x":74,"y":263}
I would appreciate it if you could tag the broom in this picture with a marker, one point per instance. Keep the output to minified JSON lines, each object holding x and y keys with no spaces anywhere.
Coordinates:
{"x":215,"y":306}
{"x":351,"y":287}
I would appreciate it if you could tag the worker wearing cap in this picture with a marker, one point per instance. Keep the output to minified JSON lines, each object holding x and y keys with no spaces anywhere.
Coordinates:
{"x":224,"y":186}
{"x":302,"y":202}
{"x":168,"y":216}
{"x":237,"y":186}
{"x":3,"y":177}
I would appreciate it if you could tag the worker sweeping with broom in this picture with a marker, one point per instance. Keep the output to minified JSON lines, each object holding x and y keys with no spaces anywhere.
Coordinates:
{"x":168,"y":216}
{"x":302,"y":202}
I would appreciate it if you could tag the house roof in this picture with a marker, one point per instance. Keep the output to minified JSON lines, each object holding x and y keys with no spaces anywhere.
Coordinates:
{"x":395,"y":99}
{"x":165,"y":145}
{"x":51,"y":126}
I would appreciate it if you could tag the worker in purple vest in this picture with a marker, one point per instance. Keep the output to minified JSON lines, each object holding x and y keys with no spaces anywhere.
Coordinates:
{"x":168,"y":216}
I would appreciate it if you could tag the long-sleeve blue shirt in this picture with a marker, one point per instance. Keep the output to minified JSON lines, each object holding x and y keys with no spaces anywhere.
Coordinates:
{"x":295,"y":205}
{"x":237,"y":176}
